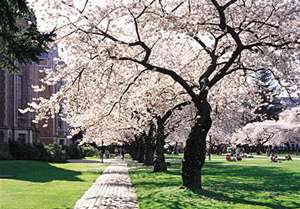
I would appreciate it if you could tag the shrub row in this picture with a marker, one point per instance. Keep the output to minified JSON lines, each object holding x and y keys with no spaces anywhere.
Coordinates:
{"x":90,"y":151}
{"x":4,"y":154}
{"x":74,"y":151}
{"x":51,"y":152}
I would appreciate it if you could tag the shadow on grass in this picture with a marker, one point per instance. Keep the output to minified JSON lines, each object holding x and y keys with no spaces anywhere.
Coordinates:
{"x":221,"y":197}
{"x":37,"y":171}
{"x":250,"y":178}
{"x":271,"y":187}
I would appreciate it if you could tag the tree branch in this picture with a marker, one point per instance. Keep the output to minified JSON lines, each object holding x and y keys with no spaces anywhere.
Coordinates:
{"x":169,"y":112}
{"x":126,"y":90}
{"x":162,"y":70}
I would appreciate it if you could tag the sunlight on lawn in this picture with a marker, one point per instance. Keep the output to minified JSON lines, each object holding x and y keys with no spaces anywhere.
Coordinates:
{"x":42,"y":185}
{"x":251,"y":183}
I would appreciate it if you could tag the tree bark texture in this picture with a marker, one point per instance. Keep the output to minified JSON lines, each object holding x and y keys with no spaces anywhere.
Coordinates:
{"x":149,"y":146}
{"x":159,"y":157}
{"x":195,"y":149}
{"x":141,"y":150}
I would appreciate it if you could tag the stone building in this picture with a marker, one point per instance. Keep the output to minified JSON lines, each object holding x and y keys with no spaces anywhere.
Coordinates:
{"x":15,"y":92}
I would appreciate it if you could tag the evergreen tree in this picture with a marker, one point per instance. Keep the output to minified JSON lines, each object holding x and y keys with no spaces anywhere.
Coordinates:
{"x":20,"y":40}
{"x":268,"y":90}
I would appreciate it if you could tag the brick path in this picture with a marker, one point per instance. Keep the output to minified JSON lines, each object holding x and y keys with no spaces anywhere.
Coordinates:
{"x":112,"y":190}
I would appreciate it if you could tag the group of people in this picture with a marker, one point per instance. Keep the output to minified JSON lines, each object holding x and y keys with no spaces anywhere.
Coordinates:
{"x":234,"y":154}
{"x":238,"y":152}
{"x":274,"y":158}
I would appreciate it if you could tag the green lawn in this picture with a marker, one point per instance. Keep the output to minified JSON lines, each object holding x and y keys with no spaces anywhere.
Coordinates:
{"x":251,"y":183}
{"x":42,"y":185}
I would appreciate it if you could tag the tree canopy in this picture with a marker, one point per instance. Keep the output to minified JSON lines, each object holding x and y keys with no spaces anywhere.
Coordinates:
{"x":116,"y":50}
{"x":20,"y":40}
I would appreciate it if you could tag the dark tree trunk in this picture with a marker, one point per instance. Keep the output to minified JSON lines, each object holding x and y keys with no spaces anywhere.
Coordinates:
{"x":135,"y":151}
{"x":138,"y":149}
{"x":141,"y":150}
{"x":149,"y":146}
{"x":149,"y":152}
{"x":175,"y":151}
{"x":102,"y":152}
{"x":195,"y":149}
{"x":133,"y":148}
{"x":159,"y":157}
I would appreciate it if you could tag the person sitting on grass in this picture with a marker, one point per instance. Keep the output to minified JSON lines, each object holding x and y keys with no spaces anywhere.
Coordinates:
{"x":231,"y":158}
{"x":274,"y":158}
{"x":238,"y":153}
{"x":288,"y":157}
{"x":238,"y":158}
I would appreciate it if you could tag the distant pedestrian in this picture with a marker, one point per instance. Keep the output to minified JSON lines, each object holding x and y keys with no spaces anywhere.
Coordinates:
{"x":116,"y":151}
{"x":106,"y":154}
{"x":122,"y":153}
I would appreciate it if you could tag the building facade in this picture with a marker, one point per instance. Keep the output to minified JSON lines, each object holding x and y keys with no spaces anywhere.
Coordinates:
{"x":15,"y":93}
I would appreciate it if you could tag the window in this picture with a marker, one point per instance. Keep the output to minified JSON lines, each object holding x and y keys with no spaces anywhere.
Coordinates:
{"x":44,"y":55}
{"x":43,"y":59}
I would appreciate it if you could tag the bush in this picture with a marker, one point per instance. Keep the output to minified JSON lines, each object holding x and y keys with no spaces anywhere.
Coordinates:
{"x":56,"y":153}
{"x":90,"y":151}
{"x":22,"y":151}
{"x":74,"y":151}
{"x":51,"y":152}
{"x":5,"y":156}
{"x":43,"y":154}
{"x":4,"y":152}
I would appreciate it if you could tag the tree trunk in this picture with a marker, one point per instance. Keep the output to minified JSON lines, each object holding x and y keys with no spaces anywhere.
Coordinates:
{"x":138,"y":149}
{"x":141,"y":150}
{"x":176,"y":148}
{"x":149,"y":150}
{"x":149,"y":146}
{"x":133,"y":150}
{"x":101,"y":154}
{"x":102,"y":151}
{"x":195,"y":149}
{"x":159,"y":157}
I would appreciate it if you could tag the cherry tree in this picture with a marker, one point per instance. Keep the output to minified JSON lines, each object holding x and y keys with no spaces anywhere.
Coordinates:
{"x":161,"y":102}
{"x":232,"y":108}
{"x":152,"y":106}
{"x":270,"y":132}
{"x":195,"y":43}
{"x":163,"y":123}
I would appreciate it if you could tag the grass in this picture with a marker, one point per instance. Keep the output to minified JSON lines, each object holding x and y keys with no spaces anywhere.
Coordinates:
{"x":250,"y":184}
{"x":42,"y":185}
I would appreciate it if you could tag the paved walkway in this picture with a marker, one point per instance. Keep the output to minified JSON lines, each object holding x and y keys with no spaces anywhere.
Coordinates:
{"x":112,"y":190}
{"x":83,"y":161}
